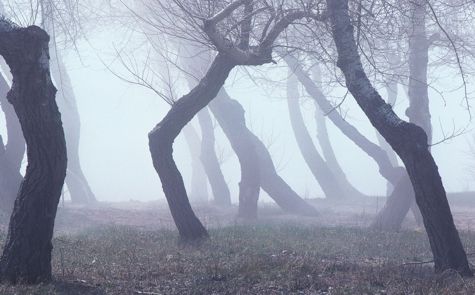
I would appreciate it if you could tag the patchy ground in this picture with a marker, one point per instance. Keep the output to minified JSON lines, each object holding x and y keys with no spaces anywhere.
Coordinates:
{"x":131,"y":249}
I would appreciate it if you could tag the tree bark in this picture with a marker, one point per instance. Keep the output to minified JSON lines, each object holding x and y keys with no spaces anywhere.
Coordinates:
{"x":317,"y":165}
{"x":246,"y":144}
{"x":418,"y":111}
{"x":161,"y":146}
{"x":199,"y":182}
{"x":27,"y":253}
{"x":408,"y":140}
{"x":209,"y":159}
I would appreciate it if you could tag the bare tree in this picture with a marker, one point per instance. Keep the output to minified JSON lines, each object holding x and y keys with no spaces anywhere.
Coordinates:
{"x":27,"y":253}
{"x":408,"y":141}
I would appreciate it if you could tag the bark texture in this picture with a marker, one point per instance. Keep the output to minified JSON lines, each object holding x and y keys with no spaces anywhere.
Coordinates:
{"x":317,"y":165}
{"x":408,"y":140}
{"x":27,"y":254}
{"x":161,"y":140}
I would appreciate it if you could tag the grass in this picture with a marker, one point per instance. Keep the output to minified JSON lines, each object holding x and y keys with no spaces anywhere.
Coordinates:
{"x":272,"y":258}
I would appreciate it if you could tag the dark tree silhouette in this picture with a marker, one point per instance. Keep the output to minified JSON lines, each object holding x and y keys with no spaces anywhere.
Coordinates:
{"x":408,"y":141}
{"x":27,"y":253}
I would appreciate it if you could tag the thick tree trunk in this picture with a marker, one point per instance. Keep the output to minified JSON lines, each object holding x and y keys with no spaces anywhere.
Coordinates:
{"x":199,"y":182}
{"x":245,"y":144}
{"x":386,"y":168}
{"x":418,"y":111}
{"x":12,"y":153}
{"x":161,"y":140}
{"x":230,"y":116}
{"x":78,"y":186}
{"x":209,"y":159}
{"x":408,"y":140}
{"x":325,"y":144}
{"x":317,"y":165}
{"x":27,"y":253}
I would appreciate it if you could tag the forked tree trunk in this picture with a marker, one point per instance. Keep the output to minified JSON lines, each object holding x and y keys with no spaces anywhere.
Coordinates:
{"x":230,"y":116}
{"x":199,"y":182}
{"x":408,"y":141}
{"x":209,"y":159}
{"x":325,"y":144}
{"x":27,"y":253}
{"x":238,"y":133}
{"x":11,"y":154}
{"x":317,"y":165}
{"x":161,"y":140}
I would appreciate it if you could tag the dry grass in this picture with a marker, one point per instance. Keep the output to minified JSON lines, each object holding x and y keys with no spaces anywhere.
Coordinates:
{"x":280,"y":255}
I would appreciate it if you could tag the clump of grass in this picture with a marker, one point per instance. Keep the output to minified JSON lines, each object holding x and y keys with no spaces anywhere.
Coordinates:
{"x":260,"y":259}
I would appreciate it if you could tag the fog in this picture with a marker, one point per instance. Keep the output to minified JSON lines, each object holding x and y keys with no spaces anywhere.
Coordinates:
{"x":116,"y":117}
{"x":237,"y":147}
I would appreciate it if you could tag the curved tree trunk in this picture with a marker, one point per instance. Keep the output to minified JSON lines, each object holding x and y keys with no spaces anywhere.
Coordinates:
{"x":325,"y":144}
{"x":418,"y":111}
{"x":199,"y":182}
{"x":245,"y":143}
{"x":317,"y":165}
{"x":161,"y":140}
{"x":11,"y":154}
{"x":386,"y":169}
{"x":209,"y":159}
{"x":78,"y":186}
{"x":408,"y":140}
{"x":27,"y":253}
{"x":230,"y":116}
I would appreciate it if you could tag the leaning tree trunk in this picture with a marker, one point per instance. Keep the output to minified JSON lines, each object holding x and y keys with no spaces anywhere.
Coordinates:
{"x":418,"y":111}
{"x":27,"y":253}
{"x":317,"y":165}
{"x":209,"y":159}
{"x":76,"y":181}
{"x":230,"y":116}
{"x":386,"y":169}
{"x":408,"y":140}
{"x":199,"y":182}
{"x":11,"y":154}
{"x":161,"y":140}
{"x":325,"y":144}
